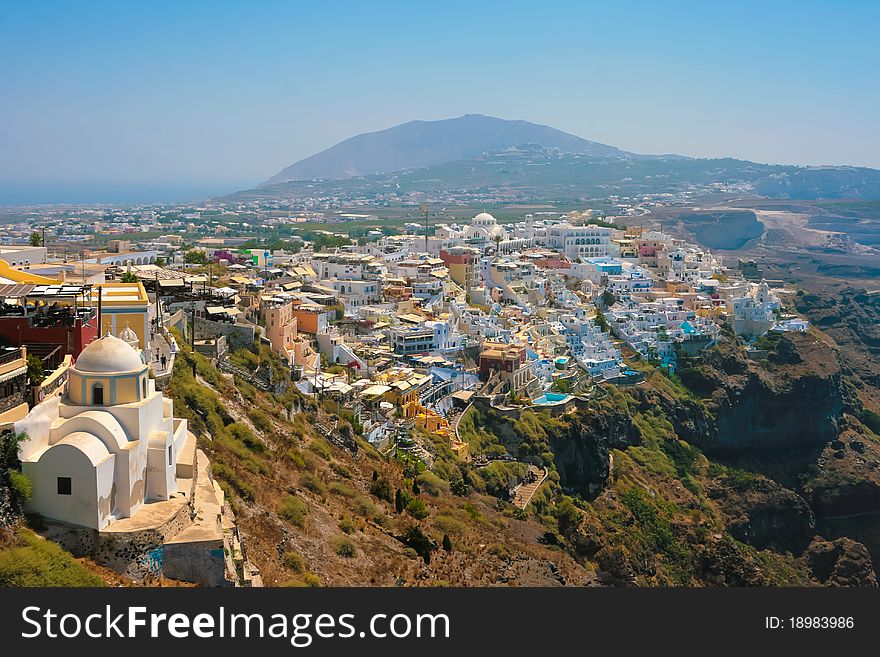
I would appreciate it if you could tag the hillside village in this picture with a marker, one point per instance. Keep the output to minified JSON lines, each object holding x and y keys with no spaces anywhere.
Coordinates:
{"x":400,"y":337}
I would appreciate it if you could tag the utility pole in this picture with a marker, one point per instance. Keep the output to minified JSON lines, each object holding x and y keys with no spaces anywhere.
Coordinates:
{"x":424,"y":208}
{"x":100,"y":328}
{"x":158,"y":309}
{"x":192,"y":336}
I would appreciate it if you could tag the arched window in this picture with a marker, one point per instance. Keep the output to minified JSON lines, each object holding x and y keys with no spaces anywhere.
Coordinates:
{"x":98,"y":394}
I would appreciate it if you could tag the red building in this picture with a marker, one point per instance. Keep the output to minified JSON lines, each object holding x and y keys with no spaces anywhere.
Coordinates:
{"x":47,"y":315}
{"x":501,"y":357}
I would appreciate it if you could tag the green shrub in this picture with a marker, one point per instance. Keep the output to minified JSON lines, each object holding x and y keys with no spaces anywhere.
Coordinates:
{"x":38,"y":562}
{"x":382,"y":489}
{"x":21,"y":485}
{"x":364,"y":507}
{"x":347,"y":525}
{"x":341,"y":470}
{"x":417,"y":509}
{"x":432,"y":484}
{"x":308,"y":579}
{"x":871,"y":420}
{"x":472,"y":511}
{"x":320,"y":447}
{"x":293,"y":510}
{"x":231,"y":483}
{"x":261,"y":420}
{"x":312,"y":483}
{"x":344,"y":547}
{"x":418,"y":541}
{"x":450,"y":525}
{"x":294,"y":561}
{"x":243,"y":434}
{"x":500,"y":551}
{"x":338,"y":488}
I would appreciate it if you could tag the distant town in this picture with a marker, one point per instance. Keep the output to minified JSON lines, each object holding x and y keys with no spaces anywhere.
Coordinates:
{"x":398,"y":328}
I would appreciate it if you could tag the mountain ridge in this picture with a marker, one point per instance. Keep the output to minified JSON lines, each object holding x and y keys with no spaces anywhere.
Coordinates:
{"x":417,"y":144}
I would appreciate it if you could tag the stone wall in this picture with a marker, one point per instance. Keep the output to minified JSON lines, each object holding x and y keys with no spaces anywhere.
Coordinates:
{"x":201,"y":562}
{"x":238,"y":336}
{"x":135,"y":554}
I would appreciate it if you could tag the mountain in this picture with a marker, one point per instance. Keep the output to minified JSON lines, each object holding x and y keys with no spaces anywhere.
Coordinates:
{"x":425,"y":143}
{"x":537,"y":174}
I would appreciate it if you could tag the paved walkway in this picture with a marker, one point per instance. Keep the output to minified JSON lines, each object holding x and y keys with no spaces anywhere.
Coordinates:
{"x":159,"y":347}
{"x":523,"y":493}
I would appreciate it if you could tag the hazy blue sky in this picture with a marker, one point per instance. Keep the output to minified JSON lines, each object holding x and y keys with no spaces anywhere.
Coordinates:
{"x":180,"y":98}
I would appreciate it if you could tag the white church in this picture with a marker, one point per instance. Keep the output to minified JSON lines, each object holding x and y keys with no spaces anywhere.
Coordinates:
{"x":108,"y":445}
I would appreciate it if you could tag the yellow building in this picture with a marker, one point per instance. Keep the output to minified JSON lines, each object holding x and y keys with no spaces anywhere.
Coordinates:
{"x":124,"y":305}
{"x":434,"y":423}
{"x":9,"y":275}
{"x":406,"y":391}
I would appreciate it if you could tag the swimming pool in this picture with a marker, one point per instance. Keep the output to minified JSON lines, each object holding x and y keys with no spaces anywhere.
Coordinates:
{"x":550,"y":398}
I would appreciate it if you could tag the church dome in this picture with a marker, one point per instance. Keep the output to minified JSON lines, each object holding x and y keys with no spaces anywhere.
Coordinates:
{"x":108,"y":354}
{"x":497,"y":230}
{"x":129,"y":337}
{"x":483,"y":219}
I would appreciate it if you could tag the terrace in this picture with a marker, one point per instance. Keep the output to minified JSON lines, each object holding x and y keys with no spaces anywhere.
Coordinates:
{"x":47,"y":314}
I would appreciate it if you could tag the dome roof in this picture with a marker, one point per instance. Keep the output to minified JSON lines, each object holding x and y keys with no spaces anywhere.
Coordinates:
{"x":484,"y":218}
{"x":108,"y":354}
{"x":128,"y":335}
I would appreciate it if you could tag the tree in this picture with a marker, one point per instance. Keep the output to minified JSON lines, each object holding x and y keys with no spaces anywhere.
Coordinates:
{"x":129,"y":277}
{"x":35,"y":239}
{"x":399,"y":502}
{"x":15,"y":487}
{"x":35,"y":371}
{"x":561,"y":386}
{"x":417,"y":509}
{"x":160,"y":261}
{"x":195,"y":257}
{"x":459,"y":487}
{"x":568,"y":517}
{"x":447,"y":544}
{"x":416,"y":539}
{"x":608,"y":298}
{"x":601,"y":322}
{"x":497,"y":239}
{"x":382,"y":489}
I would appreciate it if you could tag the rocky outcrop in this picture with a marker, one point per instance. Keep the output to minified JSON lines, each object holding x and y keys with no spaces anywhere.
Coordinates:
{"x":793,"y":400}
{"x":581,"y":450}
{"x":762,"y":513}
{"x":842,"y":562}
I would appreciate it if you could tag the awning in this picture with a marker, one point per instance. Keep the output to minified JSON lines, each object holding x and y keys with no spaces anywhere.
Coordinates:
{"x":14,"y":373}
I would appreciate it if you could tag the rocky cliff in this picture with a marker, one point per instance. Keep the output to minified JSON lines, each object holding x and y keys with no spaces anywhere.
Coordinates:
{"x":723,"y":476}
{"x":792,"y":398}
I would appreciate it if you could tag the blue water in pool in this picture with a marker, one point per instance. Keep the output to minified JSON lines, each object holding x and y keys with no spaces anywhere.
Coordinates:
{"x":550,"y":398}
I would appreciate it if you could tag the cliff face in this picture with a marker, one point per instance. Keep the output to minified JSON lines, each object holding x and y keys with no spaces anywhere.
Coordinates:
{"x":851,"y":317}
{"x":582,"y":448}
{"x":792,"y":399}
{"x":762,"y":513}
{"x":663,"y":510}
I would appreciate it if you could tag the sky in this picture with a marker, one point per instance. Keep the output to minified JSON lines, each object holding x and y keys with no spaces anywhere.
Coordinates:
{"x":160,"y":100}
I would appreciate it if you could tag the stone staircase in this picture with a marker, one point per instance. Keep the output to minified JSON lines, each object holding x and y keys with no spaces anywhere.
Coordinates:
{"x":523,"y":493}
{"x":209,"y":551}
